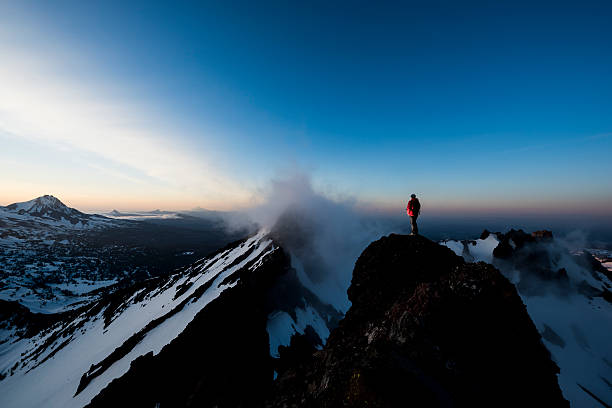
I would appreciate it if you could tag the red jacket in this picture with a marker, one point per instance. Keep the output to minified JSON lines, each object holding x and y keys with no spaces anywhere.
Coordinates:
{"x":414,"y":207}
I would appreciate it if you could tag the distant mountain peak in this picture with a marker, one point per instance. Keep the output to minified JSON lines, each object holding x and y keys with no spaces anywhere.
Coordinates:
{"x":50,"y":208}
{"x":49,"y":201}
{"x":39,"y":205}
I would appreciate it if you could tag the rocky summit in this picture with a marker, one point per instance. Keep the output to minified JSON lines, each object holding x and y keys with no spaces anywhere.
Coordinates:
{"x":425,"y":329}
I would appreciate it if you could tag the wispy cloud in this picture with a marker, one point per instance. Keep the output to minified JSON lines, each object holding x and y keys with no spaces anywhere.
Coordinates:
{"x":45,"y":101}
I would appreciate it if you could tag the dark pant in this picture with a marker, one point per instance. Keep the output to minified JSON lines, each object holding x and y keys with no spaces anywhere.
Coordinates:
{"x":413,"y":224}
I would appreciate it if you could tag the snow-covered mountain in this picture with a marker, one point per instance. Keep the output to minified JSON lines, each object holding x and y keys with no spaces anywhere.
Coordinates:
{"x":51,"y":211}
{"x":46,"y":261}
{"x":567,"y":296}
{"x":69,"y":363}
{"x":42,"y":262}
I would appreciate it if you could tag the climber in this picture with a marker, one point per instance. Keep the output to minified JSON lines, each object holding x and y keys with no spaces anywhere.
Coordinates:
{"x":413,"y":209}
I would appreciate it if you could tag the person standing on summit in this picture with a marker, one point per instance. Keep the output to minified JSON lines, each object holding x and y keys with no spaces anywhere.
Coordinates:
{"x":413,"y":209}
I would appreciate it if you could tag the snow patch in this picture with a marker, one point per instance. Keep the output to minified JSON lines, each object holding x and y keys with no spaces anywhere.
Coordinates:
{"x":482,"y":249}
{"x":455,"y":246}
{"x":281,"y":327}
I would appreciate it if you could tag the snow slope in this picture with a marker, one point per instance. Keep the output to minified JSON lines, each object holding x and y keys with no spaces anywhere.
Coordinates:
{"x":281,"y":326}
{"x":99,"y":344}
{"x":474,"y":251}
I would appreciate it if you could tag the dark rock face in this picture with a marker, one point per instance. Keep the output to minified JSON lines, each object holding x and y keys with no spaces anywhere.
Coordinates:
{"x":514,"y":240}
{"x":485,"y":234}
{"x":425,"y":329}
{"x":510,"y":242}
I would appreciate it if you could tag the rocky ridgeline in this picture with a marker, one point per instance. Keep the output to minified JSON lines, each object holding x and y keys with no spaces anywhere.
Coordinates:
{"x":514,"y":240}
{"x":425,"y":329}
{"x":535,"y":254}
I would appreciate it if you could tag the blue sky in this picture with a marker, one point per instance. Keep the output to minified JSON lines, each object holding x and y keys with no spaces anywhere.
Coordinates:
{"x":482,"y":106}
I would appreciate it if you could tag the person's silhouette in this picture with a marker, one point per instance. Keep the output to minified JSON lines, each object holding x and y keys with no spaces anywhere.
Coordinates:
{"x":413,"y":209}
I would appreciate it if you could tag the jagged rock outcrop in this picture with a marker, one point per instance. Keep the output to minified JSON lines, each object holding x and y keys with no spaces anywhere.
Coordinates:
{"x":514,"y":240}
{"x":425,"y":329}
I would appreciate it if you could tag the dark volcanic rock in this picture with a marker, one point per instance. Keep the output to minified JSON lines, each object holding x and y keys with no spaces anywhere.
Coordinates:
{"x":512,"y":241}
{"x":485,"y":234}
{"x":425,"y":329}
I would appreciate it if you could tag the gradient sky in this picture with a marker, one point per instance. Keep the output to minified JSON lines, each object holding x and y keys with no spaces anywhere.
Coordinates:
{"x":472,"y":105}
